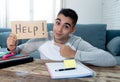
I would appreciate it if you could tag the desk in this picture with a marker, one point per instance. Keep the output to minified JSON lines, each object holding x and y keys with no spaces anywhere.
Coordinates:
{"x":37,"y":72}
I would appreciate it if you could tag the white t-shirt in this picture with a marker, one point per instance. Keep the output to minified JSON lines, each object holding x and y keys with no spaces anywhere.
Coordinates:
{"x":50,"y":51}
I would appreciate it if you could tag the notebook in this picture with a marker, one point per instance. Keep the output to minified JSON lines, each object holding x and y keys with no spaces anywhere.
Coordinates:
{"x":81,"y":71}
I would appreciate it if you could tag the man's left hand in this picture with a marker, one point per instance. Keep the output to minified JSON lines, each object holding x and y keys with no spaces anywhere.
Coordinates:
{"x":66,"y":51}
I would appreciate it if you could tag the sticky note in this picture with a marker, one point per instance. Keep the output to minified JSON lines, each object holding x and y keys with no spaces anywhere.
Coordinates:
{"x":70,"y":63}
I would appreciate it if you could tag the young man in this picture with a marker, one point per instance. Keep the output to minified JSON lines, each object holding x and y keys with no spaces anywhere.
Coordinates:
{"x":61,"y":44}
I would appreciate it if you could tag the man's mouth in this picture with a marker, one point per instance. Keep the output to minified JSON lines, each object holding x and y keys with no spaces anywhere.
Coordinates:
{"x":58,"y":34}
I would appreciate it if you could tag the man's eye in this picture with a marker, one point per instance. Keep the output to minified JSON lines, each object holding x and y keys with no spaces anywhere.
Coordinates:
{"x":57,"y":22}
{"x":67,"y":27}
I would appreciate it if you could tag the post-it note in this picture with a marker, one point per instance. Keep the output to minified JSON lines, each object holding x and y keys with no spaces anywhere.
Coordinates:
{"x":70,"y":63}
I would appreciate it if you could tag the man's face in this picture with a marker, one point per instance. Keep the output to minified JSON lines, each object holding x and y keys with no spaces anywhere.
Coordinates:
{"x":62,"y":28}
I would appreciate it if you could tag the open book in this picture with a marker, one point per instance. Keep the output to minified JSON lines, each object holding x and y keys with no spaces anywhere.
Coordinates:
{"x":81,"y":71}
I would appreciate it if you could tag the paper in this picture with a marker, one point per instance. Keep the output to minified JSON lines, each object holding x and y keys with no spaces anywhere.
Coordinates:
{"x":70,"y":63}
{"x":29,"y":29}
{"x":81,"y":71}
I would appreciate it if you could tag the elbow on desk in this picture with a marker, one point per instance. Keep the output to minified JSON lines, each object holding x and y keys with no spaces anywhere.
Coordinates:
{"x":106,"y":60}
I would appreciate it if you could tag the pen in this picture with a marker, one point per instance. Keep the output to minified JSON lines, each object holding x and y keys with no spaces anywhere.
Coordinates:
{"x":65,"y":69}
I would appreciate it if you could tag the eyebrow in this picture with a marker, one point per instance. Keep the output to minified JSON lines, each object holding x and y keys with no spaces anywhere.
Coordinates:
{"x":68,"y":24}
{"x":65,"y":23}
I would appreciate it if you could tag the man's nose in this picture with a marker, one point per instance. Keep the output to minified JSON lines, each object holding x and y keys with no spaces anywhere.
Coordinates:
{"x":60,"y":28}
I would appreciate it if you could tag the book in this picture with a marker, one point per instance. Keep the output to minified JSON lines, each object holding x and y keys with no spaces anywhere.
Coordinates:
{"x":81,"y":71}
{"x":15,"y":60}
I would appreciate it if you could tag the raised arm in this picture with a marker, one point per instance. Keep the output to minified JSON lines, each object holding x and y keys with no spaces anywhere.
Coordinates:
{"x":12,"y":42}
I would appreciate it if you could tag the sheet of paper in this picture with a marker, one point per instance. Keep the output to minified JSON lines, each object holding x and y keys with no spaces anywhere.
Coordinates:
{"x":1,"y":52}
{"x":29,"y":29}
{"x":70,"y":63}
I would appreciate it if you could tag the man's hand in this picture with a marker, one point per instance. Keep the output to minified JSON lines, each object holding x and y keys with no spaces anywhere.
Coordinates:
{"x":12,"y":42}
{"x":66,"y":51}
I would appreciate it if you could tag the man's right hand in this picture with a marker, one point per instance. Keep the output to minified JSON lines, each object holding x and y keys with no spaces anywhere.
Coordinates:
{"x":12,"y":42}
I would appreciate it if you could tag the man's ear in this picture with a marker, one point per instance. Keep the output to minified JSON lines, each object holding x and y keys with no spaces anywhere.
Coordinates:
{"x":73,"y":30}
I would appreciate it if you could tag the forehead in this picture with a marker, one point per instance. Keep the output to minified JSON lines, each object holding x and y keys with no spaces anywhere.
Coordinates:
{"x":64,"y":19}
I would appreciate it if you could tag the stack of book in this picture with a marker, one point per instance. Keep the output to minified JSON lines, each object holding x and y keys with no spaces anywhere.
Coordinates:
{"x":14,"y":60}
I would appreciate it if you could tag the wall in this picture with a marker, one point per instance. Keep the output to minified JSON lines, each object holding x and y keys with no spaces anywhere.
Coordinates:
{"x":111,"y":13}
{"x":89,"y":11}
{"x":96,"y":11}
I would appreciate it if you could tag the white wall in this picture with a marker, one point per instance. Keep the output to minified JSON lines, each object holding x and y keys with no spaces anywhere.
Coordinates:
{"x":96,"y":11}
{"x":89,"y":11}
{"x":111,"y":13}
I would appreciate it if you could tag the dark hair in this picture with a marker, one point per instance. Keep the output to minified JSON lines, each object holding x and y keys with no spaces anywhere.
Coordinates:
{"x":69,"y":13}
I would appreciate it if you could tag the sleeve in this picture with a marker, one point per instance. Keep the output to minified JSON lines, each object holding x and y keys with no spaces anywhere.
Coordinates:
{"x":87,"y":53}
{"x":30,"y":46}
{"x":33,"y":44}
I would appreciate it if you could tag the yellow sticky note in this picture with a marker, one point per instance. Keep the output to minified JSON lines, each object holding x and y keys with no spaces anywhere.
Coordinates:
{"x":70,"y":63}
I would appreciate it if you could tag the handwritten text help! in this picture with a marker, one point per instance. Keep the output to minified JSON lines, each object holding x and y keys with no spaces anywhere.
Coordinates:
{"x":29,"y":29}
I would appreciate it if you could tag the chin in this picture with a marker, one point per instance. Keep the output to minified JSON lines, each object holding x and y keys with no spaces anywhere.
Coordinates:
{"x":57,"y":38}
